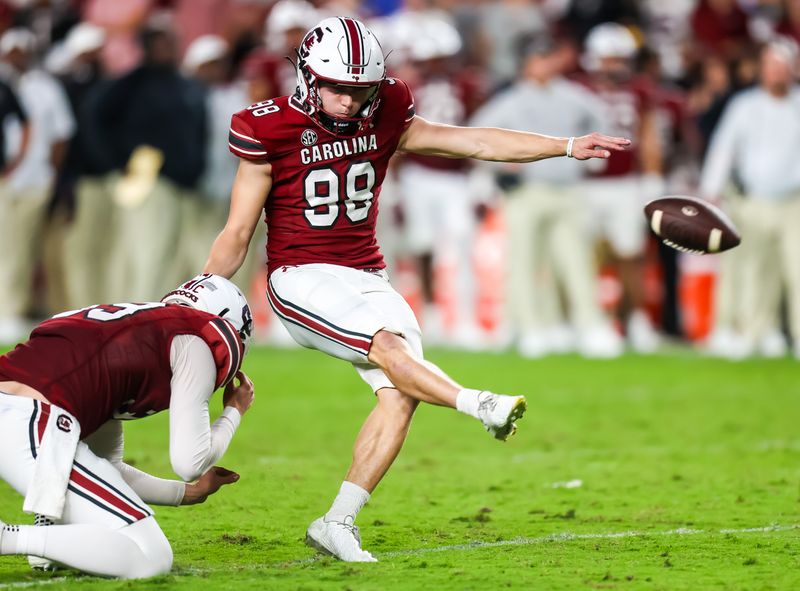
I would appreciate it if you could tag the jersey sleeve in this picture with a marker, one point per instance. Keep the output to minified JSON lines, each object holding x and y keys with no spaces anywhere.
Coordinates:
{"x":226,"y":348}
{"x":408,"y":104}
{"x":401,"y":100}
{"x":242,"y":139}
{"x":194,"y":445}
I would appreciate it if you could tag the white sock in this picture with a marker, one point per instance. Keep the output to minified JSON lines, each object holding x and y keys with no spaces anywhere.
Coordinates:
{"x":349,"y":501}
{"x":467,"y":402}
{"x":22,"y":539}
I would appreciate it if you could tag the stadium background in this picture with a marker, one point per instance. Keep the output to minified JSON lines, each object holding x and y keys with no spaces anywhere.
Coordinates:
{"x":84,"y":247}
{"x":673,"y":471}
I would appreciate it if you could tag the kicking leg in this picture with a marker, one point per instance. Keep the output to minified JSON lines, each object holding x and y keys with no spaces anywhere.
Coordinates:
{"x":424,"y":381}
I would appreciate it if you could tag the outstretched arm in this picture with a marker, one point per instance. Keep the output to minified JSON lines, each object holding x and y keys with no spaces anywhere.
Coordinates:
{"x":194,"y":444}
{"x":108,"y":442}
{"x":250,"y":189}
{"x":502,"y":145}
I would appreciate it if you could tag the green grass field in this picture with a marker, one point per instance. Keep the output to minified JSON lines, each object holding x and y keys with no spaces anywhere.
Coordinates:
{"x":689,"y":468}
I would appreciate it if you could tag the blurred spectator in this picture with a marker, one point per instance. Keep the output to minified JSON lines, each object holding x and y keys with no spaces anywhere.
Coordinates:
{"x":207,"y":61}
{"x":627,"y":179}
{"x":680,"y":146}
{"x":121,"y":21}
{"x":583,"y":16}
{"x":29,"y":186}
{"x":267,"y":71}
{"x":197,"y":18}
{"x":504,"y":24}
{"x":152,"y":123}
{"x":438,"y":209}
{"x":789,"y":25}
{"x":48,"y":20}
{"x":549,"y":249}
{"x":720,"y":27}
{"x":11,"y":110}
{"x":710,"y":94}
{"x":91,"y":234}
{"x":328,"y":8}
{"x":757,"y":141}
{"x":668,"y":33}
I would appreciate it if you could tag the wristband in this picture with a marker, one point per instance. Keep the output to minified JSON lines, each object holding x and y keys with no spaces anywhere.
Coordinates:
{"x":569,"y":146}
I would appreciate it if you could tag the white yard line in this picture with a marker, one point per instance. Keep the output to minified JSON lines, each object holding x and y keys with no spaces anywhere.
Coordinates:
{"x":23,"y":584}
{"x":559,"y":537}
{"x":569,"y":536}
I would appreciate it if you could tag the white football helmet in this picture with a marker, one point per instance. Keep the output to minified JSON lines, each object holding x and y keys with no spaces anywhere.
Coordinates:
{"x":339,"y":50}
{"x":608,"y":40}
{"x":216,"y":295}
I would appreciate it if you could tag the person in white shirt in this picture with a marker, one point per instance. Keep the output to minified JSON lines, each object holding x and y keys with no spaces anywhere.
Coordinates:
{"x":757,"y":142}
{"x":61,"y":422}
{"x":25,"y":193}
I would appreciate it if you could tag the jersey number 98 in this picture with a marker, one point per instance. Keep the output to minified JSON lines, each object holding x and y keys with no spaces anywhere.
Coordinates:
{"x":323,"y":188}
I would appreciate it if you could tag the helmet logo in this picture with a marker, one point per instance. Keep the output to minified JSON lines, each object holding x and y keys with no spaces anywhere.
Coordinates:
{"x":309,"y":137}
{"x":311,"y":38}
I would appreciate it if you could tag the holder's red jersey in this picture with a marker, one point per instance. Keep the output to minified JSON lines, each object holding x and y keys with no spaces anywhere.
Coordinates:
{"x":323,"y":203}
{"x":113,"y":361}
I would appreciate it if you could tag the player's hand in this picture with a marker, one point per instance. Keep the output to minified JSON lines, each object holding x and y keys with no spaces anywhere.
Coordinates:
{"x":239,"y":397}
{"x":207,"y":485}
{"x":597,"y":145}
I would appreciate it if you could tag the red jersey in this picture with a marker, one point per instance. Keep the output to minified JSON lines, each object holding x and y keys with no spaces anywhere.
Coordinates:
{"x":113,"y":361}
{"x":323,"y":204}
{"x":625,"y":106}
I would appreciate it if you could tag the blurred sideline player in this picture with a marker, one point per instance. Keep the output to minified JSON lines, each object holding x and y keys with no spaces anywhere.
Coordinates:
{"x":207,"y":61}
{"x":315,"y":163}
{"x":63,"y":395}
{"x":755,"y":144}
{"x":550,"y":252}
{"x":629,"y":179}
{"x":436,"y":195}
{"x":38,"y":149}
{"x":267,"y":71}
{"x":267,"y":74}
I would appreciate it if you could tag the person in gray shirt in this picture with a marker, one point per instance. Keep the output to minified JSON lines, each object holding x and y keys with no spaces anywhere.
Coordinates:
{"x":550,"y":250}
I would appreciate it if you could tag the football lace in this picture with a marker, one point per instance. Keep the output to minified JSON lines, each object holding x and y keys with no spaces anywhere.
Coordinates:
{"x":682,"y":248}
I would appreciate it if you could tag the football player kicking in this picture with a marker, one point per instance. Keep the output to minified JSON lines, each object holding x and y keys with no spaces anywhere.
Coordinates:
{"x":63,"y":394}
{"x":315,"y":162}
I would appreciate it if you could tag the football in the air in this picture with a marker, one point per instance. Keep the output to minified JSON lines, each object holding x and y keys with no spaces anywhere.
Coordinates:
{"x":691,"y":225}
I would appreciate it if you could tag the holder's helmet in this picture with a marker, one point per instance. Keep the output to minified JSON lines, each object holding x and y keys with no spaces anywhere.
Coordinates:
{"x":216,"y":295}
